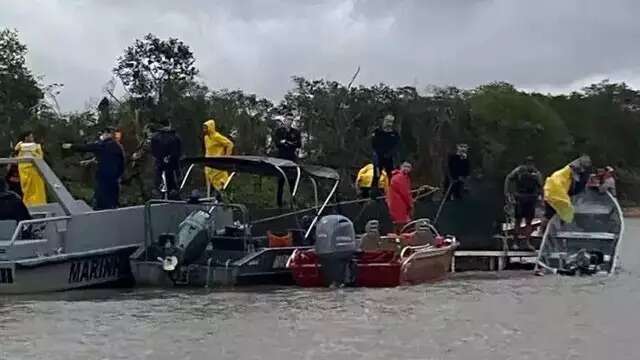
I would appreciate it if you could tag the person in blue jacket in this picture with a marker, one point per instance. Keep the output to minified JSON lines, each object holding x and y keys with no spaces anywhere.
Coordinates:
{"x":110,"y":158}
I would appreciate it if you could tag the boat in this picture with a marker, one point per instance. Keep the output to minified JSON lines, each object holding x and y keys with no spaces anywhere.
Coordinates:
{"x":590,"y":244}
{"x":418,"y":255}
{"x":211,"y":241}
{"x":67,"y":245}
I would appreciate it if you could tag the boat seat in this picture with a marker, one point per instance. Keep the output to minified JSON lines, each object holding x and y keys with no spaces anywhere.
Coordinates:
{"x":370,"y":241}
{"x":423,"y":235}
{"x":7,"y":228}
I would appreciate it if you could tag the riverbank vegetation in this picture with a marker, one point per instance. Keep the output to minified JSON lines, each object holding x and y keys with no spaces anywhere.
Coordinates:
{"x":501,"y":124}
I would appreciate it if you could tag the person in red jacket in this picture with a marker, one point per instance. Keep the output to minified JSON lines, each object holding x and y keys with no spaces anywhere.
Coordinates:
{"x":399,"y":199}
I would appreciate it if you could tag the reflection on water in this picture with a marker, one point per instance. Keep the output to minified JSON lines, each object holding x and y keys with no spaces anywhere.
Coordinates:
{"x":510,"y":315}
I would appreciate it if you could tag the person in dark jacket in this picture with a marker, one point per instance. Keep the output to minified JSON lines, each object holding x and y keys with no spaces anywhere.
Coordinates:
{"x":110,"y":158}
{"x":288,"y":142}
{"x":11,"y":205}
{"x":166,"y":148}
{"x":384,"y":141}
{"x":13,"y":179}
{"x":458,"y":170}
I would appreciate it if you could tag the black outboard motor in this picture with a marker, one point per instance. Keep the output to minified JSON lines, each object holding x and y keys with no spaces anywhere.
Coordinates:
{"x":335,"y":247}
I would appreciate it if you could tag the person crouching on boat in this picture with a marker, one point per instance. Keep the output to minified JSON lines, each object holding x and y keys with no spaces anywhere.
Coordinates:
{"x":399,"y":199}
{"x":561,"y":185}
{"x":522,"y":189}
{"x":608,"y":181}
{"x":33,"y":186}
{"x":11,"y":205}
{"x":215,"y":144}
{"x":166,"y":149}
{"x":287,"y":141}
{"x":364,"y":179}
{"x":110,"y":158}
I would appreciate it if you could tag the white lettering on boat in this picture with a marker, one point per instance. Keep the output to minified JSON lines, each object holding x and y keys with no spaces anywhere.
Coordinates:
{"x":95,"y":268}
{"x":280,"y":261}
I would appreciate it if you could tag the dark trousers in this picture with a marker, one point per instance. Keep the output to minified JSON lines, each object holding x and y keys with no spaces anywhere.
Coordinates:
{"x":171,"y":173}
{"x":380,"y":163}
{"x":457,"y":188}
{"x":107,"y":194}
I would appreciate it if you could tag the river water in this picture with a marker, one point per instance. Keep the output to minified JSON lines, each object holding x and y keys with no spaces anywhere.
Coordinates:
{"x":511,"y":315}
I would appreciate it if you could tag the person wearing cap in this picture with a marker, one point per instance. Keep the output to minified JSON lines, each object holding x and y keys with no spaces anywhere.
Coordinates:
{"x":384,"y":141}
{"x":458,"y":170}
{"x":288,"y":142}
{"x":562,"y":185}
{"x":110,"y":158}
{"x":522,"y":189}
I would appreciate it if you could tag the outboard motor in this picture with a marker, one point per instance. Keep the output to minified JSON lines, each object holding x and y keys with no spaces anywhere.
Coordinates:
{"x":583,"y":262}
{"x":191,"y":242}
{"x":335,"y":247}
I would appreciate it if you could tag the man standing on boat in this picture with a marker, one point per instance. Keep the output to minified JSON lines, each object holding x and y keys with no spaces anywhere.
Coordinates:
{"x":288,"y":141}
{"x":561,"y":185}
{"x":458,"y":170}
{"x":166,"y":148}
{"x":399,"y":199}
{"x":384,"y":141}
{"x":110,"y":158}
{"x":522,"y":189}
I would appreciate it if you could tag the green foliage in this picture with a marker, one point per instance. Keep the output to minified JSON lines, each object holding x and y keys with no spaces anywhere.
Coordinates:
{"x":501,"y":124}
{"x":20,"y":92}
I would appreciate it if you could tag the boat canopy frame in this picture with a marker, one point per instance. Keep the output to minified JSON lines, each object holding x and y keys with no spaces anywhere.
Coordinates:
{"x":271,"y":167}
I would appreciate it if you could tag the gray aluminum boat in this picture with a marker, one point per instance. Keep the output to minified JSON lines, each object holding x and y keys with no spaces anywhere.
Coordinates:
{"x":207,"y":242}
{"x":67,"y":245}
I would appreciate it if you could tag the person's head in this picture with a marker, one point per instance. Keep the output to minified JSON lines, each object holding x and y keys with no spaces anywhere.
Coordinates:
{"x":117,"y":135}
{"x":581,"y":165}
{"x":609,"y":171}
{"x":406,"y":167}
{"x":209,"y":127}
{"x":529,"y":162}
{"x":462,"y":150}
{"x":27,"y":136}
{"x":107,"y":133}
{"x":387,"y":122}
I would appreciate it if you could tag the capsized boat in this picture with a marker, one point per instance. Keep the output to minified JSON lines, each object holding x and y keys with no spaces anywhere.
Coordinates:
{"x":67,"y":245}
{"x":588,"y":245}
{"x":214,"y":242}
{"x":419,"y":254}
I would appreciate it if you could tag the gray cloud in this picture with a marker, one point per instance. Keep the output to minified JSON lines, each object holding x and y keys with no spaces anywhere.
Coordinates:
{"x":256,"y":45}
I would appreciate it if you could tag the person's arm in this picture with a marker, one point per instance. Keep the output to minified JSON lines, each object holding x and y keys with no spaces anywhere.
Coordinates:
{"x":375,"y":141}
{"x":297,"y":143}
{"x":178,"y":149}
{"x":226,"y":143}
{"x":508,"y":180}
{"x":156,"y":152}
{"x":22,"y":213}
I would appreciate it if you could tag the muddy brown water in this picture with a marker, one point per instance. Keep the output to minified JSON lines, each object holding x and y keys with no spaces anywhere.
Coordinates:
{"x":510,"y":315}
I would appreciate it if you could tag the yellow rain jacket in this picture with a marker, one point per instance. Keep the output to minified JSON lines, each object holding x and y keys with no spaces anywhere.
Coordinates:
{"x":365,"y":178}
{"x":556,"y":193}
{"x":33,"y":187}
{"x":216,"y":144}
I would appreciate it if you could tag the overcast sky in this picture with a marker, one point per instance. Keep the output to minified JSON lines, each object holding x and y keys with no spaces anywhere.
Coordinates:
{"x":257,"y":45}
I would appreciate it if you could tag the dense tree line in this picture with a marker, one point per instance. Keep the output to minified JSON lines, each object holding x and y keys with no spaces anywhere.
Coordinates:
{"x":501,"y":124}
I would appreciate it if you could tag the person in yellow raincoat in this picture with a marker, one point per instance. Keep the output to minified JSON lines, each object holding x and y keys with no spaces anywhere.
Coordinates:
{"x":561,"y":185}
{"x":365,"y":178}
{"x":33,"y":186}
{"x":215,"y":144}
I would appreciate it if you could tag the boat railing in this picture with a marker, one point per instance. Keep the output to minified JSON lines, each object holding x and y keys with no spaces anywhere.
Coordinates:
{"x":35,"y":228}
